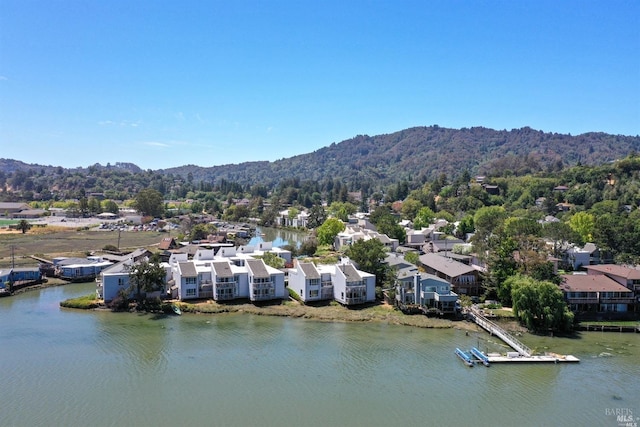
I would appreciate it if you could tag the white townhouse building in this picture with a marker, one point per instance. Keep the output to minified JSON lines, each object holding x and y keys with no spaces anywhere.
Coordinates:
{"x":308,"y":282}
{"x":351,"y":286}
{"x":225,"y":278}
{"x":265,"y":283}
{"x":229,"y":281}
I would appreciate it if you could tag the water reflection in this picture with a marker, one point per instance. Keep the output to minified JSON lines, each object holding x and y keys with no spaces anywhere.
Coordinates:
{"x":278,"y":236}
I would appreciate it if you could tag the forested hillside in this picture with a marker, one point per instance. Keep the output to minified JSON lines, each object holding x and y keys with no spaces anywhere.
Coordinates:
{"x":422,"y":153}
{"x":389,"y":164}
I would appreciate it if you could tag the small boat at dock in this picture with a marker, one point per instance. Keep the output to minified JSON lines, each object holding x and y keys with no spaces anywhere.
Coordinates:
{"x":176,"y":309}
{"x":464,"y":357}
{"x":480,"y":356}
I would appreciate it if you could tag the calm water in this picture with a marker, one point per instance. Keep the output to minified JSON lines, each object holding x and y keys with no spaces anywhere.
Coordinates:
{"x":278,"y":236}
{"x":74,"y":368}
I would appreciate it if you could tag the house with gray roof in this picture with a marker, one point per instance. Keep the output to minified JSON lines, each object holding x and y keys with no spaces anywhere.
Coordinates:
{"x":8,"y":209}
{"x":352,"y":286}
{"x":425,"y":291}
{"x":464,"y":279}
{"x":265,"y":283}
{"x":311,"y":285}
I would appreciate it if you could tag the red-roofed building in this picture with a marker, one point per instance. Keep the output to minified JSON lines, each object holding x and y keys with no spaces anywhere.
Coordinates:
{"x":594,"y":295}
{"x":626,"y":276}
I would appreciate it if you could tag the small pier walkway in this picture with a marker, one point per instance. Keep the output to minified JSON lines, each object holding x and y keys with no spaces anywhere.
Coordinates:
{"x":496,"y":330}
{"x":524,"y":353}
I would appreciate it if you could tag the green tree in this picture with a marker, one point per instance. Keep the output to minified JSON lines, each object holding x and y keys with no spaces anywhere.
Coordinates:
{"x":560,"y":234}
{"x":201,"y":231}
{"x":308,"y":247}
{"x":540,"y":306}
{"x":83,"y":206}
{"x":501,"y":265}
{"x":328,"y":231}
{"x":110,"y":206}
{"x":424,"y":218}
{"x":465,"y":227}
{"x":488,"y":219}
{"x":387,"y":224}
{"x":410,"y":208}
{"x":149,"y":202}
{"x":583,"y":223}
{"x":95,"y":206}
{"x":144,"y":277}
{"x":342,"y":210}
{"x":369,"y":256}
{"x":412,"y":257}
{"x":273,"y":260}
{"x":317,"y":216}
{"x":23,"y":225}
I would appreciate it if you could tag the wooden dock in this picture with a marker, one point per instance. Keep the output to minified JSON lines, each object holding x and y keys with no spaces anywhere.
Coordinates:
{"x":522,"y":353}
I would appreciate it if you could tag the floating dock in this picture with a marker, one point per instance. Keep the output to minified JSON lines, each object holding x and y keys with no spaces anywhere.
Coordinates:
{"x":480,"y":356}
{"x":522,"y":353}
{"x":543,"y":358}
{"x":464,"y":357}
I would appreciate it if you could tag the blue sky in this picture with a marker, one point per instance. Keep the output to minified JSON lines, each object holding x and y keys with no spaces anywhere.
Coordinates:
{"x":169,"y":83}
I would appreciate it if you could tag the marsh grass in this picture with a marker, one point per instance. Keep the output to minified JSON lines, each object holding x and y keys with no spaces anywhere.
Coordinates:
{"x":85,"y":302}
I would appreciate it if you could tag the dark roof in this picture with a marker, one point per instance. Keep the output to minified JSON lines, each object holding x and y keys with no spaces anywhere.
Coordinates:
{"x":222,"y":269}
{"x":257,"y":267}
{"x":309,"y":270}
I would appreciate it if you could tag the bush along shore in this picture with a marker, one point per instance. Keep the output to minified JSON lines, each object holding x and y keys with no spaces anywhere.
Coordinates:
{"x":330,"y":312}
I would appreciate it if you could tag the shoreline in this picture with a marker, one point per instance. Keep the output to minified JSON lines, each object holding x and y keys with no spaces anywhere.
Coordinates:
{"x":378,"y":312}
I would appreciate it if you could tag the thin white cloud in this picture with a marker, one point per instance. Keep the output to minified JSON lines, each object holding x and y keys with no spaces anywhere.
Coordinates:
{"x":121,"y":123}
{"x":4,"y":78}
{"x":156,"y":144}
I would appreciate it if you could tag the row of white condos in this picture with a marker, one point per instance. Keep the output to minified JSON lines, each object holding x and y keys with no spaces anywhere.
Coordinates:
{"x":233,"y":274}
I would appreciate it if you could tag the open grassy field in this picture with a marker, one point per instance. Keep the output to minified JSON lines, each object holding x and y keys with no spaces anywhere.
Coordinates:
{"x":54,"y":241}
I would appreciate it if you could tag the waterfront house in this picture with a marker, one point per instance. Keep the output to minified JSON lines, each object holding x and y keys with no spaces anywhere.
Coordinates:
{"x":186,"y":278}
{"x":18,"y":277}
{"x":597,"y":295}
{"x":351,"y":286}
{"x":116,"y":277}
{"x":309,"y":283}
{"x":464,"y":279}
{"x":628,"y":277}
{"x":113,"y":279}
{"x":229,"y":281}
{"x":265,"y":282}
{"x":79,"y":269}
{"x":425,"y":291}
